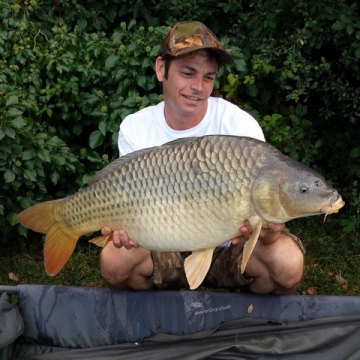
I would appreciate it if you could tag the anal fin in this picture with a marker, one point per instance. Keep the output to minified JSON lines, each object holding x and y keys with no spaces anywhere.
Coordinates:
{"x":102,"y":240}
{"x":249,"y":247}
{"x":197,"y":266}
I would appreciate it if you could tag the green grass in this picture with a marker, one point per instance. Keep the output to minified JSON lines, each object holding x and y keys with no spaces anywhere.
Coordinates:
{"x":25,"y":259}
{"x":331,"y":256}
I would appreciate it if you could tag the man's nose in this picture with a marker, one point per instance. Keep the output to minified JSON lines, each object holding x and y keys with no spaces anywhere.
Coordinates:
{"x":197,"y":84}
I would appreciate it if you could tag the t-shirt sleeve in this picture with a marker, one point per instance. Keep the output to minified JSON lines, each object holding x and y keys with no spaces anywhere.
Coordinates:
{"x":249,"y":127}
{"x":246,"y":125}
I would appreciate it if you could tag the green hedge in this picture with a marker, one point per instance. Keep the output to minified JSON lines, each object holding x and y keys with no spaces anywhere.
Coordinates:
{"x":71,"y":71}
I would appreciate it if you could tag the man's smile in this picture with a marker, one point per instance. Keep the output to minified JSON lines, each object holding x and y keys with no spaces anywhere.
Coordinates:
{"x":193,"y":98}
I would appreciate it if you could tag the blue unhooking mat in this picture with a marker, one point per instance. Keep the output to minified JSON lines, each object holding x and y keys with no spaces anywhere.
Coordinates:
{"x":92,"y":323}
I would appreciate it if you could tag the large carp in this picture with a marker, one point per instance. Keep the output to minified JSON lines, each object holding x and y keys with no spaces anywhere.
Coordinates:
{"x":188,"y":195}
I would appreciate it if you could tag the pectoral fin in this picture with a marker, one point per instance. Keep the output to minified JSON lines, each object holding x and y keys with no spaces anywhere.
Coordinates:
{"x":197,"y":266}
{"x":101,"y":241}
{"x":249,"y":247}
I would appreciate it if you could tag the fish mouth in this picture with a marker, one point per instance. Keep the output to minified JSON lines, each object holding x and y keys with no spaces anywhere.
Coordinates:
{"x":333,"y":207}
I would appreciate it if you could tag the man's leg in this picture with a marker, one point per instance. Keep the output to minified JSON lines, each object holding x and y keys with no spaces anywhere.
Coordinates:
{"x":277,"y":267}
{"x":126,"y":268}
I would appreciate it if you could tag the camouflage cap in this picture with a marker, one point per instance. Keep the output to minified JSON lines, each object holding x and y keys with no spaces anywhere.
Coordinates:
{"x":190,"y":36}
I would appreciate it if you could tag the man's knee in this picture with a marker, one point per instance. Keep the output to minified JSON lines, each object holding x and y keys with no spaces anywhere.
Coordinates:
{"x":277,"y":267}
{"x":289,"y":265}
{"x":126,"y":268}
{"x":109,"y":266}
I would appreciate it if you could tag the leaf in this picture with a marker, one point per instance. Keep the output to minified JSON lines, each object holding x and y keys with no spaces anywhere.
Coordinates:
{"x":276,"y":117}
{"x":338,"y":25}
{"x":58,"y":159}
{"x":103,"y":127}
{"x":13,"y":276}
{"x":55,"y":177}
{"x":357,"y":53}
{"x":93,"y":156}
{"x":18,"y":123}
{"x":9,"y":176}
{"x":25,"y":202}
{"x":12,"y":218}
{"x":312,"y":290}
{"x":87,"y":178}
{"x":28,"y":154}
{"x":110,"y":13}
{"x":240,"y":65}
{"x":30,"y":174}
{"x":13,"y":112}
{"x":97,"y":112}
{"x":92,"y":98}
{"x":12,"y":100}
{"x":82,"y":23}
{"x":96,"y":138}
{"x":251,"y":90}
{"x":44,"y":155}
{"x":10,"y":133}
{"x":111,"y":61}
{"x":77,"y":129}
{"x":340,"y":279}
{"x":349,"y":29}
{"x":154,"y":51}
{"x":120,"y":73}
{"x":23,"y":231}
{"x":55,"y":141}
{"x":132,"y":23}
{"x":141,"y":80}
{"x":345,"y":19}
{"x":354,"y":153}
{"x":130,"y":101}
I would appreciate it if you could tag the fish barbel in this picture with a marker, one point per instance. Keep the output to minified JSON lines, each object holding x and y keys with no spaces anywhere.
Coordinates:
{"x":187,"y":195}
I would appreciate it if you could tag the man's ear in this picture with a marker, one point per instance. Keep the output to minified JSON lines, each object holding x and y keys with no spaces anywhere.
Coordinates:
{"x":160,"y":68}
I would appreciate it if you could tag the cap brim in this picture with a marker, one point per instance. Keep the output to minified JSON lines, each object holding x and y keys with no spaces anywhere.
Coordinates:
{"x":225,"y":57}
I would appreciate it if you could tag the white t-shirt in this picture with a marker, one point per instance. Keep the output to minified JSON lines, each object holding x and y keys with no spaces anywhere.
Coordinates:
{"x":148,"y":128}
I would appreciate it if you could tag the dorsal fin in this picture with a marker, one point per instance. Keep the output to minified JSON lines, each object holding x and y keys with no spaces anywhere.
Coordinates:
{"x":123,"y":159}
{"x":120,"y":161}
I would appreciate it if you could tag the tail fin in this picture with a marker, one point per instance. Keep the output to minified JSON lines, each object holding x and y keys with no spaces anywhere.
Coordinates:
{"x":59,"y":245}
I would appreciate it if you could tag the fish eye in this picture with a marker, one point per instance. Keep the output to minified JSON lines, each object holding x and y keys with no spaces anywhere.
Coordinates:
{"x":317,"y":183}
{"x":304,"y":188}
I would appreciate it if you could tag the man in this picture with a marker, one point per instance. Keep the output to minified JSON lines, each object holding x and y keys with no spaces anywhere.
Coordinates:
{"x":187,"y":66}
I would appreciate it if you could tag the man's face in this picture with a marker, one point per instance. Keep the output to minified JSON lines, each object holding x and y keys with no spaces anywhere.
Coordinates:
{"x":189,"y":84}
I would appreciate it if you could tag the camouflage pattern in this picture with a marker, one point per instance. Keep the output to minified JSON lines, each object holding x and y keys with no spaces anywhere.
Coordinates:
{"x":224,"y":271}
{"x":190,"y":36}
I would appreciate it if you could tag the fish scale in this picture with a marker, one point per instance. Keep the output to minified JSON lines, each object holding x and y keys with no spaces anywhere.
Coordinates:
{"x":200,"y":192}
{"x":188,"y":195}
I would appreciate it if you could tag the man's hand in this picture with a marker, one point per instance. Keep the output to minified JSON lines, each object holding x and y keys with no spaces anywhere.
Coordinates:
{"x":267,"y":235}
{"x":120,"y":238}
